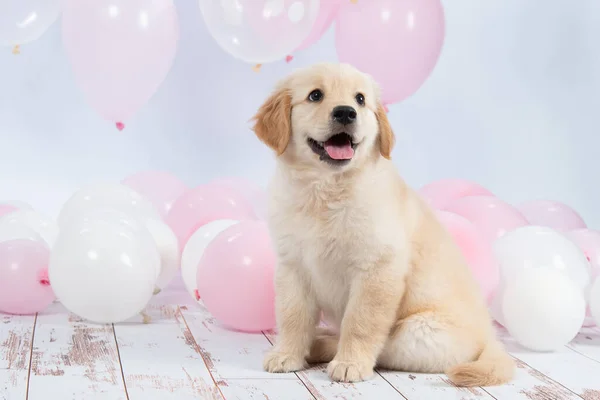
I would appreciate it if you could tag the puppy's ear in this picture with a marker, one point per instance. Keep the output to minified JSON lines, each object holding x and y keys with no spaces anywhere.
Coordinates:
{"x":386,"y":135}
{"x":273,"y":124}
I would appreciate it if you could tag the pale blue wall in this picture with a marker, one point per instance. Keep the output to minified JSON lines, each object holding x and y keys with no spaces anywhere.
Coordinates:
{"x":514,"y":104}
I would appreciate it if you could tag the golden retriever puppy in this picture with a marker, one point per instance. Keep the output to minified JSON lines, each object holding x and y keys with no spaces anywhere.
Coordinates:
{"x":355,"y":242}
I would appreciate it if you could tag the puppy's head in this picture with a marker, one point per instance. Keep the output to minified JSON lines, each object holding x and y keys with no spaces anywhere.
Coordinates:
{"x":327,"y":115}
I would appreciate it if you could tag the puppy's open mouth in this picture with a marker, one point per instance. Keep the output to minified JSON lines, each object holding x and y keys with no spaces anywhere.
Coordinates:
{"x":338,"y":149}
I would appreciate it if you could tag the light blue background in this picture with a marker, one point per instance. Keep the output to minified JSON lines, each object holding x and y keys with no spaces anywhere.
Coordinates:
{"x":513,"y":104}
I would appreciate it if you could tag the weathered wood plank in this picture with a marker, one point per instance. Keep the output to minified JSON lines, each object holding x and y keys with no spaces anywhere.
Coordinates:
{"x":74,"y":359}
{"x":229,"y":354}
{"x":570,"y":370}
{"x":322,"y":387}
{"x":16,"y":334}
{"x":415,"y":386}
{"x":587,"y":343}
{"x":235,"y":360}
{"x":259,"y":389}
{"x":160,"y":360}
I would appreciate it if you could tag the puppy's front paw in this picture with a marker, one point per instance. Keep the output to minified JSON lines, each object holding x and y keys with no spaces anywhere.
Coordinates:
{"x":349,"y":371}
{"x":283,"y":362}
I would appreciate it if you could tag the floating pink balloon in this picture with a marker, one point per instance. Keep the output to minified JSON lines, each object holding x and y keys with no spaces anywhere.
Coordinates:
{"x":588,"y":241}
{"x":327,"y":13}
{"x":203,"y":204}
{"x":492,"y":216}
{"x":476,"y":250}
{"x":398,"y":42}
{"x":24,"y":284}
{"x":250,"y":190}
{"x":120,"y":51}
{"x":235,"y":277}
{"x":443,"y":192}
{"x":6,"y":208}
{"x":552,"y":214}
{"x":161,"y":188}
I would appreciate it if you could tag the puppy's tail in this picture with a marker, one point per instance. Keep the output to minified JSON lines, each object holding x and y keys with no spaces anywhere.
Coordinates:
{"x":493,"y":367}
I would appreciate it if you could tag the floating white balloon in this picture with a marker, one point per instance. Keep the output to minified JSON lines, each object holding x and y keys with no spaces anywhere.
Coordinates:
{"x":104,"y":267}
{"x":168,"y":248}
{"x":12,"y":226}
{"x":537,"y":247}
{"x":23,"y":21}
{"x":542,"y":310}
{"x":106,"y":196}
{"x":194,"y":248}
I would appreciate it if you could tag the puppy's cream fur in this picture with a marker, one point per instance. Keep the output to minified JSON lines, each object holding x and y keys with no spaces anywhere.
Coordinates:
{"x":356,"y":243}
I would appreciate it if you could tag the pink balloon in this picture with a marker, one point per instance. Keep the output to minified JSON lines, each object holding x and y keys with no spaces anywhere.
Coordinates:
{"x":477,"y":251}
{"x":161,"y":188}
{"x":443,"y":192}
{"x":492,"y":216}
{"x":398,"y":42}
{"x":250,"y":190}
{"x":235,"y":277}
{"x":552,"y":214}
{"x":327,"y":13}
{"x":24,"y":284}
{"x":6,"y":208}
{"x":203,"y":204}
{"x":120,"y":51}
{"x":588,"y":241}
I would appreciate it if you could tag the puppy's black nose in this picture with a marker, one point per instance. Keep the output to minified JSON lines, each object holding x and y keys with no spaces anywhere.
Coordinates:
{"x":344,"y":114}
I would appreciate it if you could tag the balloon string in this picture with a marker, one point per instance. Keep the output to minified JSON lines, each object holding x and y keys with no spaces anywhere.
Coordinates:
{"x":197,"y":295}
{"x":16,"y":50}
{"x":256,"y":68}
{"x":386,"y":108}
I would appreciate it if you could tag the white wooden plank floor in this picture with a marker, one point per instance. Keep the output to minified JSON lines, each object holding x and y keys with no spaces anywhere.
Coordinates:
{"x":184,"y":354}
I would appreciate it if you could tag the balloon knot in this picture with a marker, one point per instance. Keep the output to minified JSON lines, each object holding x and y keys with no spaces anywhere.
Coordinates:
{"x":197,"y":295}
{"x":289,"y":58}
{"x":256,"y":68}
{"x":120,"y":126}
{"x":43,"y":277}
{"x":16,"y":50}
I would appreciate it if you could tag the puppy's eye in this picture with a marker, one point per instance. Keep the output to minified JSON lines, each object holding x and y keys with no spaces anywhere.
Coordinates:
{"x":360,"y":99}
{"x":315,"y":95}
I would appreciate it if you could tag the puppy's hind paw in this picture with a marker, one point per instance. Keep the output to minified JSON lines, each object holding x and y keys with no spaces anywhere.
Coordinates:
{"x":342,"y":371}
{"x":278,"y":362}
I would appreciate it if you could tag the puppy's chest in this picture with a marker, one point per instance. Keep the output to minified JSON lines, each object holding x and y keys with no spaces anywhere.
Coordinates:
{"x":331,"y":239}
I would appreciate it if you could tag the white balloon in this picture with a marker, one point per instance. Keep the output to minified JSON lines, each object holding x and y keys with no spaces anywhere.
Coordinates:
{"x":168,"y":248}
{"x":194,"y":248}
{"x":107,"y":195}
{"x":16,"y":232}
{"x":537,"y":247}
{"x":595,"y":301}
{"x":252,"y":30}
{"x":541,"y":247}
{"x":104,"y":268}
{"x":24,"y":21}
{"x":44,"y":226}
{"x":542,"y":310}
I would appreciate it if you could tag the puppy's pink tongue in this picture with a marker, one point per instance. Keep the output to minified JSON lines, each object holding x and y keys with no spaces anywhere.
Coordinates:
{"x":339,"y":152}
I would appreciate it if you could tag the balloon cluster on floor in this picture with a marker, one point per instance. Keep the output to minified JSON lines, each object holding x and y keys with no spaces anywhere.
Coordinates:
{"x":538,"y":264}
{"x":115,"y":245}
{"x":121,"y":52}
